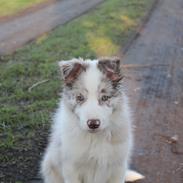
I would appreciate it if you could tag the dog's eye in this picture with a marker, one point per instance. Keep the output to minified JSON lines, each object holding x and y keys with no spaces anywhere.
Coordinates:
{"x":80,"y":98}
{"x":105,"y":98}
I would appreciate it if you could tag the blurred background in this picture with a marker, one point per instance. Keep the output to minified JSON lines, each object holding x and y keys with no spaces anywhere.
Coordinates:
{"x":148,"y":37}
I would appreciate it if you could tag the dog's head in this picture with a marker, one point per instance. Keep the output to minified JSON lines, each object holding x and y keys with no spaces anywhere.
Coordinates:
{"x":92,"y":90}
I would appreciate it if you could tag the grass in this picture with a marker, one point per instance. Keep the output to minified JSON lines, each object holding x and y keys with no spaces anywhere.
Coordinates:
{"x":10,"y":7}
{"x":23,"y":112}
{"x":100,"y":33}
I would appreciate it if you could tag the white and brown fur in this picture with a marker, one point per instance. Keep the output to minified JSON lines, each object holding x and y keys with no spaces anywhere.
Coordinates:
{"x":93,"y":89}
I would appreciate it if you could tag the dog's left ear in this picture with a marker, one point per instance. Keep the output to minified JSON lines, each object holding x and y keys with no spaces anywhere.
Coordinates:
{"x":111,"y":67}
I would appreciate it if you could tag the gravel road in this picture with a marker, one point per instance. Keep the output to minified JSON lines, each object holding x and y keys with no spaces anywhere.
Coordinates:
{"x":155,"y":81}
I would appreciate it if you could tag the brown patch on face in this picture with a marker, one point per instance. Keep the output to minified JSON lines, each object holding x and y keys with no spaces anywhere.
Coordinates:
{"x":71,"y":71}
{"x":111,"y":68}
{"x":103,"y":90}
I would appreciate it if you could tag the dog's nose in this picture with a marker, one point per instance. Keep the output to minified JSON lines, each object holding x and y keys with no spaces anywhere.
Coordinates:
{"x":93,"y":123}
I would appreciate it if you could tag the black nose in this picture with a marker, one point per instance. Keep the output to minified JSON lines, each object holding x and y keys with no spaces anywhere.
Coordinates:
{"x":93,"y":123}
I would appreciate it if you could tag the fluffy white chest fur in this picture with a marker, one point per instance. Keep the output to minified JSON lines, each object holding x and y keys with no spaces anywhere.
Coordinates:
{"x":91,"y":137}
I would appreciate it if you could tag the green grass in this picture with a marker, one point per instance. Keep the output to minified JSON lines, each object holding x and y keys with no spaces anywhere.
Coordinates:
{"x":10,"y":7}
{"x":102,"y":32}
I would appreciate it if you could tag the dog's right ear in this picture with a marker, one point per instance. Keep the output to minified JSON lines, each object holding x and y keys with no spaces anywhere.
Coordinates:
{"x":70,"y":70}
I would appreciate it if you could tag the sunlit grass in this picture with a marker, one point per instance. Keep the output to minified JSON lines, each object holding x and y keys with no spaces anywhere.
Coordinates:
{"x":102,"y":46}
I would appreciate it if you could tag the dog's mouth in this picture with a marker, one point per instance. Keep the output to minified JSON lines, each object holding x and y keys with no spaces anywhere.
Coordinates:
{"x":93,"y":130}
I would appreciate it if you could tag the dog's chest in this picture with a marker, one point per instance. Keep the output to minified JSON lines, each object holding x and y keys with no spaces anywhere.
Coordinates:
{"x":93,"y":151}
{"x":101,"y":154}
{"x":94,"y":157}
{"x":96,"y":163}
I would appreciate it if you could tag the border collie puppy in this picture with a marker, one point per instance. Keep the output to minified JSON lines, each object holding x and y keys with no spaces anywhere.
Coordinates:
{"x":91,"y":138}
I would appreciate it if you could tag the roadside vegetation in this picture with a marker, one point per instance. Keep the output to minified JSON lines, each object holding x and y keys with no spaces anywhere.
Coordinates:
{"x":30,"y":84}
{"x":11,"y":7}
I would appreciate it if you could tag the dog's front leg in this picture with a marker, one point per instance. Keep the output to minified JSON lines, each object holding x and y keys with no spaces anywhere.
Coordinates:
{"x":71,"y":174}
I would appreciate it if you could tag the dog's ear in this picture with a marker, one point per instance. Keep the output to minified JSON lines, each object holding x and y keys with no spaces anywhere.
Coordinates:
{"x":111,"y":67}
{"x":70,"y":70}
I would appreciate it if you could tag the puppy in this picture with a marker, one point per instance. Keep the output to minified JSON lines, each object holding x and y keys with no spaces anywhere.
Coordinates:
{"x":91,"y":138}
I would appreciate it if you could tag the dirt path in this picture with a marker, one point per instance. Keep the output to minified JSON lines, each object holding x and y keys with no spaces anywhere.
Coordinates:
{"x":157,"y":94}
{"x":16,"y":32}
